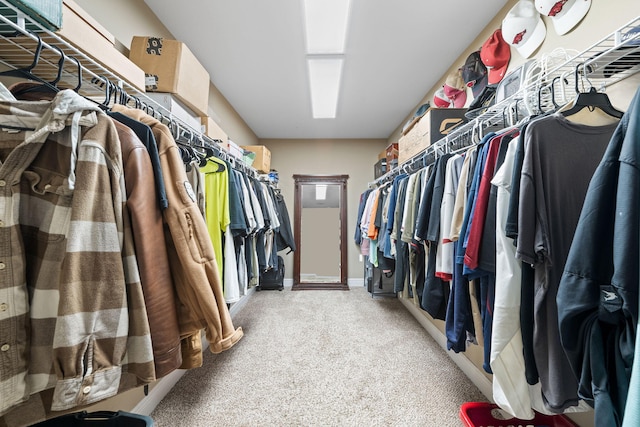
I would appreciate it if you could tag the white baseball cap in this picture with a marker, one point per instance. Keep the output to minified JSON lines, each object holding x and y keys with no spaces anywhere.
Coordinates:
{"x":523,"y":28}
{"x":565,"y":14}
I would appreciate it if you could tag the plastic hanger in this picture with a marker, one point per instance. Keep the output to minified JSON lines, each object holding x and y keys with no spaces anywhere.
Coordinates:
{"x":591,"y":100}
{"x":26,"y":72}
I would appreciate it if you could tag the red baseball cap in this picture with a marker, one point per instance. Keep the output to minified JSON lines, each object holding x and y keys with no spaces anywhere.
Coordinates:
{"x":441,"y":100}
{"x":495,"y":55}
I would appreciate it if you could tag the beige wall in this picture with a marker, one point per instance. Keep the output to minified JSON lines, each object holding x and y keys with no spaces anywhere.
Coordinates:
{"x":353,"y":157}
{"x":127,"y":18}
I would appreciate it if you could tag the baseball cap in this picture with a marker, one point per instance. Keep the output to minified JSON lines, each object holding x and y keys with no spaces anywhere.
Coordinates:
{"x":455,"y":89}
{"x":474,"y":73}
{"x":565,"y":14}
{"x":422,"y":110}
{"x":523,"y":28}
{"x":495,"y":54}
{"x":441,"y":100}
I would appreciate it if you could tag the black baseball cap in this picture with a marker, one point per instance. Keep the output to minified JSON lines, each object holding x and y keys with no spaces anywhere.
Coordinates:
{"x":474,"y":73}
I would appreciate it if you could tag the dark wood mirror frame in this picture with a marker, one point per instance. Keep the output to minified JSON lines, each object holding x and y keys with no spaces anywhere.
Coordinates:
{"x":299,"y":181}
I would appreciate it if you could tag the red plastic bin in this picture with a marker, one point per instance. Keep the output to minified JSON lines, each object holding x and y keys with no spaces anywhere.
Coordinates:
{"x":478,"y":414}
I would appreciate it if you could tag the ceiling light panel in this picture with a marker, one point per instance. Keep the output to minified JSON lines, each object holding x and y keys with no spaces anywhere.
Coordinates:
{"x":326,"y":25}
{"x":324,"y":82}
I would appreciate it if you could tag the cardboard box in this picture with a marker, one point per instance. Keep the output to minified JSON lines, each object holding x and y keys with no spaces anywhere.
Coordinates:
{"x":382,"y":154}
{"x":47,"y":13}
{"x":83,"y":32}
{"x":433,"y":126}
{"x":171,"y":67}
{"x":391,"y":152}
{"x":262,"y":161}
{"x":212,"y":130}
{"x":172,"y":104}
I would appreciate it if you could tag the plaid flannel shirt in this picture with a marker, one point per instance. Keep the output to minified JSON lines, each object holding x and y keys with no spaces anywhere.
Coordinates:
{"x":67,"y":266}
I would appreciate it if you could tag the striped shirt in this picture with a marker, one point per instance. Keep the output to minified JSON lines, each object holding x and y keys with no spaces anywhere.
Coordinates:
{"x":66,"y":266}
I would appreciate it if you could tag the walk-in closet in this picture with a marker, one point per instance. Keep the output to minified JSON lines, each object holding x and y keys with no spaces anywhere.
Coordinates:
{"x":319,"y":213}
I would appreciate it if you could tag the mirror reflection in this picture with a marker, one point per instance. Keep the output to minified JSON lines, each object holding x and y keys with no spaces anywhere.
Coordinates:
{"x":320,"y":233}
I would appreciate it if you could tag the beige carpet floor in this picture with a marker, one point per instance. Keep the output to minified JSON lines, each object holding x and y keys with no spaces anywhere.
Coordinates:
{"x":322,"y":358}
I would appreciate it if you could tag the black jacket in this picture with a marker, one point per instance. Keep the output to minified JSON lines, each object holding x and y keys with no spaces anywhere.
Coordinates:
{"x":598,"y":295}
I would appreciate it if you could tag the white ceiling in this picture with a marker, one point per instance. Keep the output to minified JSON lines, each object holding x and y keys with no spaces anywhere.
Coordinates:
{"x":396,"y":51}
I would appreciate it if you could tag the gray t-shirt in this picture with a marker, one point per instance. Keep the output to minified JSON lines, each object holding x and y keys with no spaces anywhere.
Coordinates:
{"x":559,"y":160}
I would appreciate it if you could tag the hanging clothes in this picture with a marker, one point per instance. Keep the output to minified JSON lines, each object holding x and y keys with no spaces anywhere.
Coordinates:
{"x":284,"y":236}
{"x":144,"y":200}
{"x":66,"y":219}
{"x":559,"y":161}
{"x":151,"y":253}
{"x":216,"y":178}
{"x":597,"y":295}
{"x":191,"y":256}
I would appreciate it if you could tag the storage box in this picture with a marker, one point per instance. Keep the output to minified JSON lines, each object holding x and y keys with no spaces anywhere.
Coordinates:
{"x":262,"y":161}
{"x":433,"y":126}
{"x":233,"y":149}
{"x":171,"y":67}
{"x":172,"y":104}
{"x":211,"y":129}
{"x":481,"y":414}
{"x":382,"y":154}
{"x":83,"y":32}
{"x":391,"y":152}
{"x":47,"y":13}
{"x":380,"y":168}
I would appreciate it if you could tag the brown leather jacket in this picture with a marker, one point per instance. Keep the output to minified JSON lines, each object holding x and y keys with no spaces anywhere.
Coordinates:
{"x":151,"y":252}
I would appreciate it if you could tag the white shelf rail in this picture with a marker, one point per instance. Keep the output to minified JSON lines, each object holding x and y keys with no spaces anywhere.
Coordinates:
{"x":27,"y":45}
{"x":548,"y":86}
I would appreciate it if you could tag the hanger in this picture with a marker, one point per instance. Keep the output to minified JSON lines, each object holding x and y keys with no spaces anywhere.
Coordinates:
{"x":26,"y":72}
{"x":592,"y":100}
{"x":46,"y":88}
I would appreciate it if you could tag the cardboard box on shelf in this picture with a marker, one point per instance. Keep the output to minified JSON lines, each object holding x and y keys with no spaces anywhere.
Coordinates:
{"x":172,"y":104}
{"x":433,"y":126}
{"x":391,"y":152}
{"x":171,"y":67}
{"x":382,"y":154}
{"x":262,"y":161}
{"x":82,"y":31}
{"x":211,"y":129}
{"x":233,"y":149}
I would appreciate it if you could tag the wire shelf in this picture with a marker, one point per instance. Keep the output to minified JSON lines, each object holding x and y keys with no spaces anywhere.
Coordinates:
{"x":547,"y":85}
{"x":69,"y":67}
